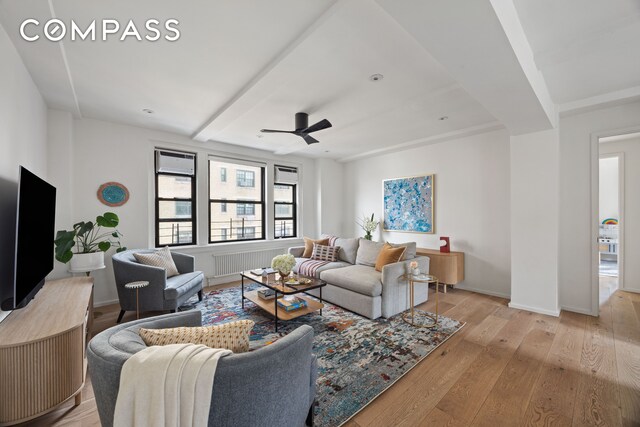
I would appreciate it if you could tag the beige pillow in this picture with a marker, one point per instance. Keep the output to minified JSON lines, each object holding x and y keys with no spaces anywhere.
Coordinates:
{"x":308,"y":246}
{"x":233,"y":335}
{"x":161,"y":258}
{"x":389,"y":255}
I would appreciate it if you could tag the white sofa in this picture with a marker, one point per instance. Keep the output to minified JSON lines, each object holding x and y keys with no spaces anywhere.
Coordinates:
{"x":353,"y":282}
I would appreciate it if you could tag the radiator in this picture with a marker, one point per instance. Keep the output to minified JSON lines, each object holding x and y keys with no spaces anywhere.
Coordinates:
{"x":233,"y":263}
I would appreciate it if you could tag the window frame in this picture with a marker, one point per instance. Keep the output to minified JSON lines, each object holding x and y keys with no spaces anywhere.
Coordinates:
{"x":193,"y":199}
{"x":294,"y":211}
{"x":228,"y":202}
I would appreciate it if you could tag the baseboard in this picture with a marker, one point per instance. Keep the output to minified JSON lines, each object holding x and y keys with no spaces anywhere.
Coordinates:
{"x":103,"y":303}
{"x":554,"y":313}
{"x":483,"y":291}
{"x":577,"y":310}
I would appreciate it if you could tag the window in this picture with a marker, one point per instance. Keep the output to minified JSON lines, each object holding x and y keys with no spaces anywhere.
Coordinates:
{"x":245,"y":178}
{"x":285,"y":209}
{"x":236,"y":212}
{"x":245,"y":209}
{"x":223,"y":174}
{"x":175,"y":198}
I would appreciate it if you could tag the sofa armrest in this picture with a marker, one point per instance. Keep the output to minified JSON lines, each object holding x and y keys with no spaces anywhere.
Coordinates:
{"x":297,"y":251}
{"x":394,"y":291}
{"x":185,"y":263}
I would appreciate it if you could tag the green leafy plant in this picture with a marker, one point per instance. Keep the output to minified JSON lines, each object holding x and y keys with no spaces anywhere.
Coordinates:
{"x":89,"y":237}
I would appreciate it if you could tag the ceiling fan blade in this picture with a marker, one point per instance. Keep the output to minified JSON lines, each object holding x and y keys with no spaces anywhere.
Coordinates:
{"x":309,"y":139}
{"x":276,"y":131}
{"x":322,"y":124}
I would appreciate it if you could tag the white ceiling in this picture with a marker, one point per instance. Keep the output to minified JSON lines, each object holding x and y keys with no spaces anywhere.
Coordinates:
{"x":244,"y":65}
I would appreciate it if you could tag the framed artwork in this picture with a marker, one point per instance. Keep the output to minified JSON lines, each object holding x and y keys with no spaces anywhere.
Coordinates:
{"x":408,"y":204}
{"x":113,"y":194}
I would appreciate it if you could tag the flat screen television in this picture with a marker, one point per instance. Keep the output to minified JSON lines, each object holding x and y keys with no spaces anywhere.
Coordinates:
{"x":35,"y":233}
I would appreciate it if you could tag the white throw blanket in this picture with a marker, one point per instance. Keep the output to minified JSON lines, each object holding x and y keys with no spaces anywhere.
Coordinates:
{"x":168,"y":385}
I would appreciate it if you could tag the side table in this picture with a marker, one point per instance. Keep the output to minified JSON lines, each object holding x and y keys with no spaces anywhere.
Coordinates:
{"x":137,"y":286}
{"x":421,"y":278}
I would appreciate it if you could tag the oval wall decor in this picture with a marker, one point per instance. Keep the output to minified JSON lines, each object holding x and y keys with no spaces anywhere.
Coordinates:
{"x":113,"y":194}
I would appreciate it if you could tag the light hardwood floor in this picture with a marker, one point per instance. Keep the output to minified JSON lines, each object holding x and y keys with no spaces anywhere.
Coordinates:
{"x":506,"y":367}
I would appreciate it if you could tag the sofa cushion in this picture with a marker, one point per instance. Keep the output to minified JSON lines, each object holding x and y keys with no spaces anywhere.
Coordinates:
{"x":161,"y":258}
{"x":325,"y":253}
{"x":362,"y":279}
{"x":410,"y":252}
{"x":181,"y":284}
{"x":368,"y":252}
{"x":348,"y":249}
{"x":308,"y":245}
{"x":233,"y":336}
{"x":329,"y":266}
{"x":389,"y":255}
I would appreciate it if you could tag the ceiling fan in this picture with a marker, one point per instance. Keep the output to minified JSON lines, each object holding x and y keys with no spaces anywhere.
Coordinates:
{"x":303,"y":129}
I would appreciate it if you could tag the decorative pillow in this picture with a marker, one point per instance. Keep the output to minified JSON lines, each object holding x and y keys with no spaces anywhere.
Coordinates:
{"x":410,"y":252}
{"x":348,"y":249}
{"x":233,"y":335}
{"x":161,"y":258}
{"x":368,"y":252}
{"x":308,"y":246}
{"x":389,"y":255}
{"x":325,"y":253}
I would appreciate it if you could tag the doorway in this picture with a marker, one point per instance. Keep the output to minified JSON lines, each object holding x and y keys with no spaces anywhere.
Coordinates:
{"x":610,"y":212}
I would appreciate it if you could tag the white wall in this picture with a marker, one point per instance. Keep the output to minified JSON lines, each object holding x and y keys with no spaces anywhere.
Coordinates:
{"x":23,"y":141}
{"x":608,"y":194}
{"x":104,"y":151}
{"x":534,"y":222}
{"x":576,"y":237}
{"x":631,"y":250}
{"x":471,"y":202}
{"x":329,"y":196}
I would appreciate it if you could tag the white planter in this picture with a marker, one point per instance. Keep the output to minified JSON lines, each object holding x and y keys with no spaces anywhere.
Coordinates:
{"x":81,"y":263}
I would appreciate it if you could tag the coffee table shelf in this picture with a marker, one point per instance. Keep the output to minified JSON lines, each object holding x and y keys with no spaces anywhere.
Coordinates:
{"x":269,"y":306}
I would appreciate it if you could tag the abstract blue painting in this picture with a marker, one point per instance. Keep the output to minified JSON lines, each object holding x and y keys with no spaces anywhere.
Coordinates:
{"x":408,"y":204}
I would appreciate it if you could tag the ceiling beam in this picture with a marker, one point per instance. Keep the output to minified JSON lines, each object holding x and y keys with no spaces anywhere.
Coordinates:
{"x":261,"y":84}
{"x":609,"y":99}
{"x":483,"y":46}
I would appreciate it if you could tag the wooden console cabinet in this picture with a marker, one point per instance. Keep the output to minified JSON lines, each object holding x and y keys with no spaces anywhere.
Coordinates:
{"x":447,"y":267}
{"x":43,"y":350}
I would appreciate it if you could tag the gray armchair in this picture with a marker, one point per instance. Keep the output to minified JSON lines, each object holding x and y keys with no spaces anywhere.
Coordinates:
{"x":271,"y":386}
{"x":162,"y":293}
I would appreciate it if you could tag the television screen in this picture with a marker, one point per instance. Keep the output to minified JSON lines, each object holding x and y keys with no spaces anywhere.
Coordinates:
{"x":35,"y":233}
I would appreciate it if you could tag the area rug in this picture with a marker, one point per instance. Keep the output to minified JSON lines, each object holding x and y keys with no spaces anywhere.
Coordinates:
{"x":358,"y":358}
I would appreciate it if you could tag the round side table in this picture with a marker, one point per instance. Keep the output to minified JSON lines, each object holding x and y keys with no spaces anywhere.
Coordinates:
{"x":137,"y":286}
{"x":420,"y":278}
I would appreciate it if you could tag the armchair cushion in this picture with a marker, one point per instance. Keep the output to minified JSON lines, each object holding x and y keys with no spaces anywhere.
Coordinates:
{"x":161,"y":258}
{"x":181,"y":284}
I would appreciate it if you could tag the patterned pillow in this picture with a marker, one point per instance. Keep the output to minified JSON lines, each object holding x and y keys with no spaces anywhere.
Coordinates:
{"x":233,"y":335}
{"x":325,"y":253}
{"x":161,"y":258}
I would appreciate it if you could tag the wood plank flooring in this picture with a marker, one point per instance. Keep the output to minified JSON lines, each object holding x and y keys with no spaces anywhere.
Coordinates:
{"x":506,"y":367}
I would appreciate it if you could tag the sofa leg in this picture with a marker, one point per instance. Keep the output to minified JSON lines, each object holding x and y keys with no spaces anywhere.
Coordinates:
{"x":120,"y":316}
{"x":200,"y":295}
{"x":309,"y":421}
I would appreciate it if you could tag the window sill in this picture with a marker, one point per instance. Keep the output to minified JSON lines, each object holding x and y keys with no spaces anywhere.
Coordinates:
{"x":258,"y":244}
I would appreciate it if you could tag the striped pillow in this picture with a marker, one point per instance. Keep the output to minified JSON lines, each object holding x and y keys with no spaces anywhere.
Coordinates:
{"x":233,"y":336}
{"x":325,"y":253}
{"x":161,"y":258}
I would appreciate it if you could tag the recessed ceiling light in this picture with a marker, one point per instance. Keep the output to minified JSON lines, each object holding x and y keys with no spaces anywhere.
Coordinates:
{"x":260,"y":135}
{"x":376,"y":77}
{"x":147,"y":110}
{"x":326,"y":151}
{"x":443,"y":118}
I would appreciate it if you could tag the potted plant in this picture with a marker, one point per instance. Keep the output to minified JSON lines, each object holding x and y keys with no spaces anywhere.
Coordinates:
{"x":90,"y":240}
{"x":369,"y":225}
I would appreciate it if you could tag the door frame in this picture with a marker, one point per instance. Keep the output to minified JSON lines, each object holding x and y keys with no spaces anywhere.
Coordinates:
{"x":595,"y":210}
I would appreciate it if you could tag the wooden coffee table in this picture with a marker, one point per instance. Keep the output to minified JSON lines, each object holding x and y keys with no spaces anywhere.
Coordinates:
{"x":271,"y":306}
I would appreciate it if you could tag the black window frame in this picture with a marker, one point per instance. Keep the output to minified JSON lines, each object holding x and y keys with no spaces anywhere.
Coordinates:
{"x":193,"y":199}
{"x":294,"y":211}
{"x":228,"y":202}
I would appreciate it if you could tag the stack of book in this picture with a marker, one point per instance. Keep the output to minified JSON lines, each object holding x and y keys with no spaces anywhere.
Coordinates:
{"x":292,"y":304}
{"x":266,"y":294}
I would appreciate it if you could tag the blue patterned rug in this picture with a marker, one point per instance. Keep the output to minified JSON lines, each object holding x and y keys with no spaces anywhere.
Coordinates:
{"x":358,"y":358}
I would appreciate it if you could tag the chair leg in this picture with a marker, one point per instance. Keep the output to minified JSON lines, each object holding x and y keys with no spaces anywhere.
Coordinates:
{"x":120,"y":316}
{"x":200,"y":295}
{"x":309,"y":421}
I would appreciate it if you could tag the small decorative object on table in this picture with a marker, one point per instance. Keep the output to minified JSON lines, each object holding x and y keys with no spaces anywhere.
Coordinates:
{"x":137,"y":286}
{"x":413,"y":265}
{"x":369,"y":225}
{"x":445,"y":247}
{"x":283,"y":264}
